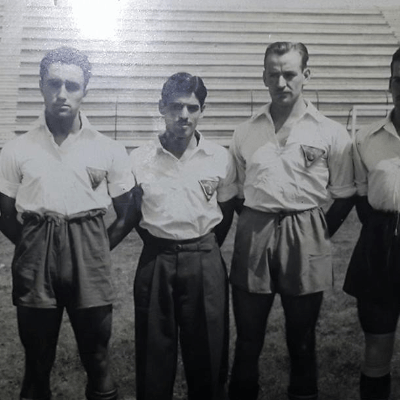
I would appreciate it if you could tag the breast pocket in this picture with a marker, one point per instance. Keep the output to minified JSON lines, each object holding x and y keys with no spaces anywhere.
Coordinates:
{"x":96,"y":176}
{"x":311,"y":154}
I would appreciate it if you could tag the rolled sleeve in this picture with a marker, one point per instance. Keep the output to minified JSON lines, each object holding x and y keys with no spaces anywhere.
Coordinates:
{"x":227,"y":188}
{"x":10,"y":175}
{"x":341,"y":170}
{"x":120,"y":179}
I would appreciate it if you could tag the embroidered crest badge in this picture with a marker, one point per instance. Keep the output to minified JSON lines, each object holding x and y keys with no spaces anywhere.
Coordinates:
{"x":96,"y":176}
{"x":311,"y":154}
{"x":209,"y":188}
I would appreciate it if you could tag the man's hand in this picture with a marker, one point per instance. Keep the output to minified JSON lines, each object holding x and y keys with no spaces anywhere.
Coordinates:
{"x":363,"y":208}
{"x":9,"y":224}
{"x":337,"y":213}
{"x":128,"y":210}
{"x":222,"y":229}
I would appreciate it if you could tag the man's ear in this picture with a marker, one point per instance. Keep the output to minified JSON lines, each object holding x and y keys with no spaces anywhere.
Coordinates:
{"x":307,"y":74}
{"x":265,"y":78}
{"x":202,"y":108}
{"x":85,"y":92}
{"x":162,"y":107}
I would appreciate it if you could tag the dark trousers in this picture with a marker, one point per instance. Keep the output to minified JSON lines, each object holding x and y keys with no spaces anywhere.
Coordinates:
{"x":251,"y":313}
{"x":180,"y":291}
{"x":39,"y":329}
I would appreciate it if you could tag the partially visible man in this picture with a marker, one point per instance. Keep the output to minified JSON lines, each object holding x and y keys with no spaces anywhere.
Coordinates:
{"x":290,"y":160}
{"x":373,"y":276}
{"x":56,"y":183}
{"x":181,"y":283}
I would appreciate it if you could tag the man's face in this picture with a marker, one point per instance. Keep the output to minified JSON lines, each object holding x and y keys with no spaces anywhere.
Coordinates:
{"x":394,"y":86}
{"x":284,"y":77}
{"x":181,"y":114}
{"x":63,"y":90}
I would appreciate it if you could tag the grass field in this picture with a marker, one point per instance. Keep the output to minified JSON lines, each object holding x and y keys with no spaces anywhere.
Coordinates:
{"x":339,"y":339}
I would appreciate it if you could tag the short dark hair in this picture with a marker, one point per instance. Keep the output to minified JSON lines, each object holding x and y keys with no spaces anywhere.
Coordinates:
{"x":66,"y":55}
{"x":182,"y":82}
{"x":395,"y":58}
{"x":281,"y":48}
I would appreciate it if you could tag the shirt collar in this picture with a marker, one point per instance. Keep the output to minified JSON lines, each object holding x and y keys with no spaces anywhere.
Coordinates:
{"x":387,"y":124}
{"x":310,"y":110}
{"x":41,"y":122}
{"x":197,"y":143}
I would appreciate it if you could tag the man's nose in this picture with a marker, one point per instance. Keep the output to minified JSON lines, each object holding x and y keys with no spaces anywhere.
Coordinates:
{"x":184,"y":112}
{"x":62,"y":91}
{"x":281,"y":81}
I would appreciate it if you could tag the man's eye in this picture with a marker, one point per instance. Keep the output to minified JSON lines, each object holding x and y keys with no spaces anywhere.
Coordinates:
{"x":193,"y":109}
{"x":175,"y":107}
{"x":72,"y":86}
{"x":288,"y":77}
{"x":54,"y":84}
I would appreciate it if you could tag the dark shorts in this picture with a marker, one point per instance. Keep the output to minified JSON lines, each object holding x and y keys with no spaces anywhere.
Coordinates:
{"x":62,"y":261}
{"x":286,"y":253}
{"x":374,"y":269}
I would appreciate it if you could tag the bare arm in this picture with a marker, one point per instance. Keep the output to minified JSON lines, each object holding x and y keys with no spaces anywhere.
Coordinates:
{"x":338,"y":212}
{"x":9,"y":224}
{"x":239,"y":204}
{"x":127,"y":208}
{"x":222,"y":229}
{"x":363,"y":208}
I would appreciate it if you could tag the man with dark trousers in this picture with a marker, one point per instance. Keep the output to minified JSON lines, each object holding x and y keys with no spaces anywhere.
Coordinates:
{"x":181,"y":284}
{"x":290,"y":160}
{"x":56,"y":183}
{"x":373,"y":276}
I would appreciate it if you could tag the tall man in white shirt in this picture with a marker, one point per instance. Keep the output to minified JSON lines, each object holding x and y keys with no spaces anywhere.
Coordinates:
{"x":180,"y":288}
{"x":290,"y":159}
{"x":373,"y":276}
{"x":56,"y":183}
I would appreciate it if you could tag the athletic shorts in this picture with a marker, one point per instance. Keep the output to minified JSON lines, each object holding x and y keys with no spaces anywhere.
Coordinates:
{"x":374,"y":269}
{"x":286,"y":253}
{"x":62,"y":261}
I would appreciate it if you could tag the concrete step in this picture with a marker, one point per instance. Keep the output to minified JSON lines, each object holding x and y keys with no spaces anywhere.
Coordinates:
{"x":267,"y":24}
{"x":190,"y":38}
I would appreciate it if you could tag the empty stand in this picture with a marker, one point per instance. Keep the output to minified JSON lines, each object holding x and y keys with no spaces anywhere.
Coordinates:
{"x":350,"y":53}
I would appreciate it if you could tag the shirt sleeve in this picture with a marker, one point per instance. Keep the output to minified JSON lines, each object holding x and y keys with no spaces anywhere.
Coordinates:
{"x":10,"y":174}
{"x":227,"y":187}
{"x":360,"y":170}
{"x":340,"y":162}
{"x":240,"y":164}
{"x":120,"y":179}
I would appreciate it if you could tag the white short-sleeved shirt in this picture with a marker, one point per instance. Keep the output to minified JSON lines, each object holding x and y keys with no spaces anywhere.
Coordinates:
{"x":83,"y":173}
{"x":377,"y":164}
{"x":180,"y":196}
{"x":297,"y":169}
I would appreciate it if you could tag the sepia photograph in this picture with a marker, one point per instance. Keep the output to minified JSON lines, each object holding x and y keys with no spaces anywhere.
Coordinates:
{"x":199,"y":200}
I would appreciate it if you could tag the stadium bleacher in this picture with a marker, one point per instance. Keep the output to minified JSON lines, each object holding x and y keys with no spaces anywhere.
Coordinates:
{"x":350,"y":53}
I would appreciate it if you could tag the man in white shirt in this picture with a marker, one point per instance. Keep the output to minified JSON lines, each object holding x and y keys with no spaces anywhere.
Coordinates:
{"x":290,"y":159}
{"x":181,"y":284}
{"x":56,"y":183}
{"x":373,"y":276}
